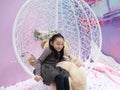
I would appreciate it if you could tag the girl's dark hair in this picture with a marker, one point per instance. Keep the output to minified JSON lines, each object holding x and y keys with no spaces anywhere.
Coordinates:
{"x":52,"y":39}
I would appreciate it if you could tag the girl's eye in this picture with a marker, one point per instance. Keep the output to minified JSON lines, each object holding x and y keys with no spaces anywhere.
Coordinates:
{"x":61,"y":44}
{"x":58,"y":44}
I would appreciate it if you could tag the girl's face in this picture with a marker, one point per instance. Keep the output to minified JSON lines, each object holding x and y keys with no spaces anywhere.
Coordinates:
{"x":58,"y":44}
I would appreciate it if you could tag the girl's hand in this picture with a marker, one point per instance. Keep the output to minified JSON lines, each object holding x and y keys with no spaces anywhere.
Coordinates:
{"x":38,"y":78}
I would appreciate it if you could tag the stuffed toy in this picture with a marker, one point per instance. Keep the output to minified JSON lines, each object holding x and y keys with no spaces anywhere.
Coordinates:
{"x":77,"y":79}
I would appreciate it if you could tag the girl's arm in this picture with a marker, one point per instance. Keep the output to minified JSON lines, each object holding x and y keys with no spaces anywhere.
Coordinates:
{"x":40,"y":60}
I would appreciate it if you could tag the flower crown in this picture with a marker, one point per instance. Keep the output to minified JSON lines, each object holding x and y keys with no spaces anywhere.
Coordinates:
{"x":43,"y":35}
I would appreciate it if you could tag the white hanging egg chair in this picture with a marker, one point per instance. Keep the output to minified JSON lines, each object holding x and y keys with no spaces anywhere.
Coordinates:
{"x":72,"y":18}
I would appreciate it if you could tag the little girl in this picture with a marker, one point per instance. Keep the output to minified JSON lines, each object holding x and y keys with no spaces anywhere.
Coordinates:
{"x":46,"y":69}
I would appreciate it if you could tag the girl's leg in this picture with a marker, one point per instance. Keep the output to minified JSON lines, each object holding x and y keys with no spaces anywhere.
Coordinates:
{"x":53,"y":86}
{"x":66,"y":83}
{"x":59,"y":80}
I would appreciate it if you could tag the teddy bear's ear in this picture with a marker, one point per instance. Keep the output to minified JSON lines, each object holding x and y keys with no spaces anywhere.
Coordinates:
{"x":32,"y":60}
{"x":44,"y":43}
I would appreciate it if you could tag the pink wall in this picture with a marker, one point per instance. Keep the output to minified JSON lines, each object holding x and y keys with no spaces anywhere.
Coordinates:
{"x":10,"y":71}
